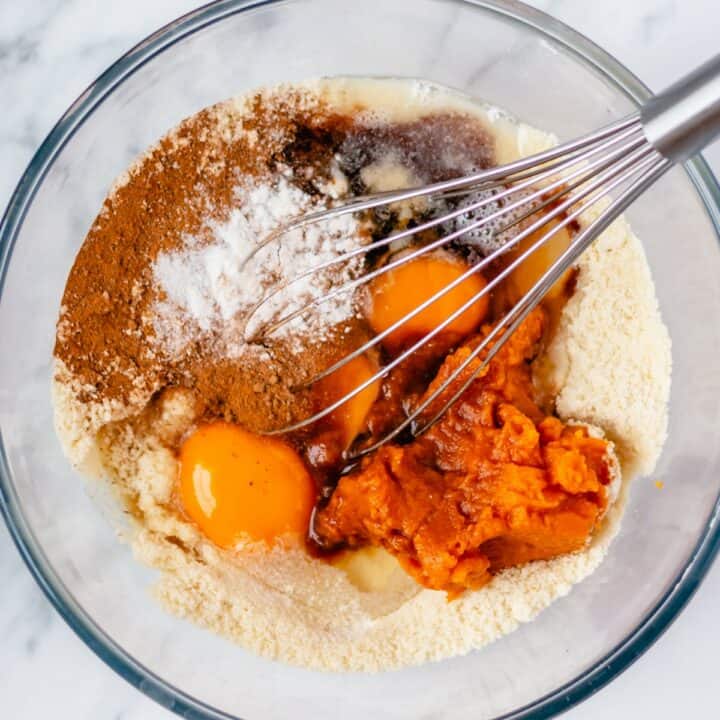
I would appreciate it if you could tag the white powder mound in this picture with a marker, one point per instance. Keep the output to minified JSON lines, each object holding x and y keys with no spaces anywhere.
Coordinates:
{"x":608,"y":364}
{"x":210,"y":286}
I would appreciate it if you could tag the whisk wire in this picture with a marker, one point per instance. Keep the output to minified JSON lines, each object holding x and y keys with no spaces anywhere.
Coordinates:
{"x":553,"y":167}
{"x":556,"y":187}
{"x":531,"y":299}
{"x":593,"y":191}
{"x":520,"y":311}
{"x":482,"y":263}
{"x":587,"y":169}
{"x":539,"y":195}
{"x":533,"y":165}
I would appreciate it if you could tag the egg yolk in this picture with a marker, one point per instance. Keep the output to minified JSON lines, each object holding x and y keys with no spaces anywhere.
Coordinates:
{"x":235,"y":484}
{"x":530,"y":270}
{"x":399,"y":291}
{"x":351,"y":415}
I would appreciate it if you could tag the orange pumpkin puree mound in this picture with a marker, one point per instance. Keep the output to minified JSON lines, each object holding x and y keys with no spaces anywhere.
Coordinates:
{"x":495,"y":483}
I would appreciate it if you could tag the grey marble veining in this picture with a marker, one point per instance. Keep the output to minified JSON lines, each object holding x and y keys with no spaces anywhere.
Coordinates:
{"x":49,"y":51}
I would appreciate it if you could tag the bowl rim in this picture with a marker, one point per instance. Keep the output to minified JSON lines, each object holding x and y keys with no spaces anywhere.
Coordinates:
{"x":650,"y":627}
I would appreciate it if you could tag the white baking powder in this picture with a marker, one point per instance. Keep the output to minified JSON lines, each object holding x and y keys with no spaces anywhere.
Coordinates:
{"x":209,"y":288}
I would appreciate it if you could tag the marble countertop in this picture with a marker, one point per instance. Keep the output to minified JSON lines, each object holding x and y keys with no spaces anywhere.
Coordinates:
{"x":49,"y":51}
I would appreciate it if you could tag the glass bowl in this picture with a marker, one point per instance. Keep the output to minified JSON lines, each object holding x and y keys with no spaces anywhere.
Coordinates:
{"x":519,"y":59}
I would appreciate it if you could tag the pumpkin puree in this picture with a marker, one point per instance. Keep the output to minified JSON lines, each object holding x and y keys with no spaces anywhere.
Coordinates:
{"x":495,"y":483}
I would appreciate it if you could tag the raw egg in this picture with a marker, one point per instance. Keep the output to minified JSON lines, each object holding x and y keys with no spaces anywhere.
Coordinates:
{"x":235,"y":484}
{"x":401,"y":290}
{"x":526,"y":274}
{"x":351,"y":415}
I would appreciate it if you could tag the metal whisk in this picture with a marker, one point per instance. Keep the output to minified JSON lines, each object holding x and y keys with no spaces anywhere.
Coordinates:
{"x":547,"y":190}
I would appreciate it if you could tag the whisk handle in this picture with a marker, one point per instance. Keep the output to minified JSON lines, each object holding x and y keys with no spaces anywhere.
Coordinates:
{"x":685,"y":117}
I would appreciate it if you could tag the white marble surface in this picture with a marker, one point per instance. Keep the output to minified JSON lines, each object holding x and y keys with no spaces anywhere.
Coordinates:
{"x":49,"y":51}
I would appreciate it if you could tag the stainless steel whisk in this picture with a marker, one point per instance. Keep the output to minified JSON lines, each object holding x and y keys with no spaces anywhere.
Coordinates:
{"x":628,"y":155}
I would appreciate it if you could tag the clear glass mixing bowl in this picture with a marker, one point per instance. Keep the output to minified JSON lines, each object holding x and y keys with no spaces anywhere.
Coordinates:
{"x":521,"y":60}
